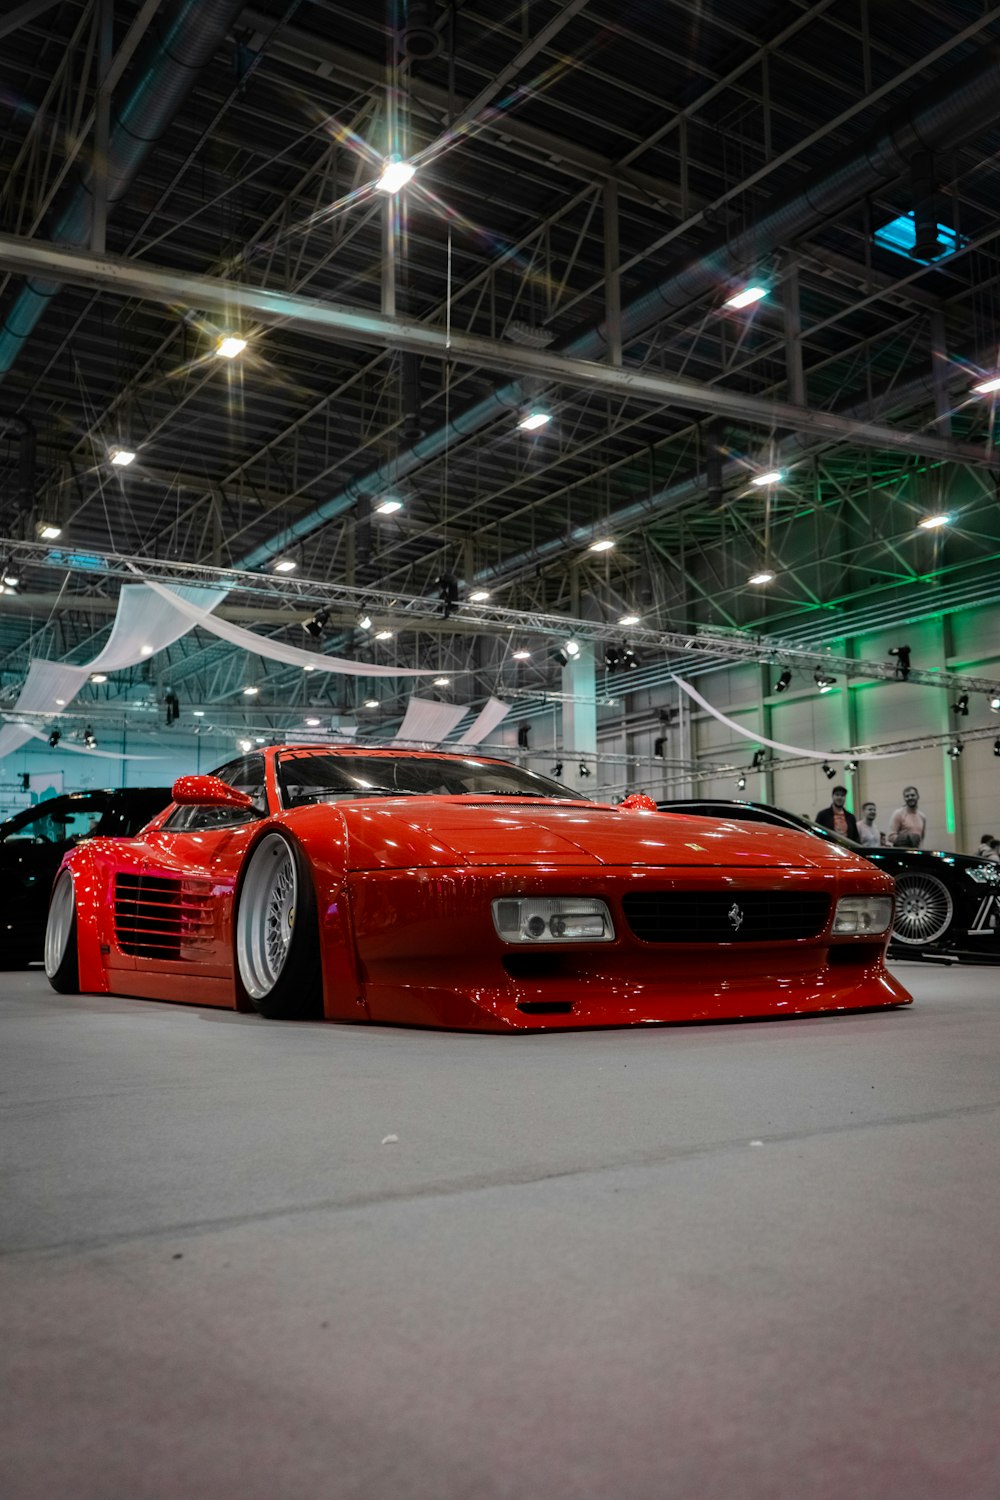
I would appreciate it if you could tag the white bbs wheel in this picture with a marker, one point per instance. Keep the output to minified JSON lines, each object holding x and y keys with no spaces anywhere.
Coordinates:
{"x":265,"y":920}
{"x":924,"y":910}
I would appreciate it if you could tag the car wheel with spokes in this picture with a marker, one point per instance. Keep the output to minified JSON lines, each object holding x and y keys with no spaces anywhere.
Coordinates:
{"x":62,"y":960}
{"x":924,"y":910}
{"x":277,"y":947}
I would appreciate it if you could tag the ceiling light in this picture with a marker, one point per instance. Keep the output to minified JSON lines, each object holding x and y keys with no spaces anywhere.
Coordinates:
{"x":145,"y":650}
{"x":479,"y":596}
{"x":197,"y":713}
{"x":770,"y":476}
{"x":251,"y":691}
{"x":522,"y":655}
{"x":995,"y":704}
{"x":931,"y":523}
{"x":245,"y":745}
{"x":371,"y":703}
{"x":747,"y":296}
{"x":572,"y":648}
{"x":764,"y":576}
{"x":383,"y":635}
{"x":313,"y":723}
{"x":389,"y":506}
{"x":229,"y":346}
{"x":442,"y":682}
{"x":603,"y":544}
{"x":533,"y":420}
{"x":98,"y":676}
{"x":284,"y":565}
{"x":364,"y":620}
{"x":10,"y":578}
{"x":121,"y":457}
{"x":48,"y":531}
{"x":396,"y":173}
{"x":987,"y":387}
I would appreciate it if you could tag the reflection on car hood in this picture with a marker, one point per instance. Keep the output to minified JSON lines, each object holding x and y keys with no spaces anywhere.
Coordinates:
{"x":421,"y":831}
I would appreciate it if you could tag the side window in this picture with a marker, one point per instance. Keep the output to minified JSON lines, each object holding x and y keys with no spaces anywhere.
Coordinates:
{"x":247,"y":775}
{"x":60,"y":821}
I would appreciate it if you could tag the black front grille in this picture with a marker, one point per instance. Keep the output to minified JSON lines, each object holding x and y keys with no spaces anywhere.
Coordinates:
{"x":725,"y":916}
{"x":153,"y":914}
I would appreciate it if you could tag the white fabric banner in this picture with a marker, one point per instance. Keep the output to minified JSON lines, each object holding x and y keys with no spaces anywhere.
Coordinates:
{"x":489,"y":717}
{"x":292,"y":656}
{"x":146,"y":623}
{"x":428,"y":722}
{"x":13,"y":737}
{"x":750,"y":734}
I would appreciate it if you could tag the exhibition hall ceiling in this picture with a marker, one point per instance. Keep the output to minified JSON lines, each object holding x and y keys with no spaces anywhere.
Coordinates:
{"x":594,"y":183}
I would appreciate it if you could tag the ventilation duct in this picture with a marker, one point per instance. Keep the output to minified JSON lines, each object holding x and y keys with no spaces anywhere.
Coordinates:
{"x":418,"y":39}
{"x":190,"y":34}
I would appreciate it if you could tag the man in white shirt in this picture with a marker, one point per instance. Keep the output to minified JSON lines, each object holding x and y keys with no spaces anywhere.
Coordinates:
{"x":908,"y":824}
{"x":868,"y":833}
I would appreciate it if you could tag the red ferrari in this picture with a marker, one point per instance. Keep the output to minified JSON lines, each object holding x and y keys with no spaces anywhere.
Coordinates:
{"x":458,"y":891}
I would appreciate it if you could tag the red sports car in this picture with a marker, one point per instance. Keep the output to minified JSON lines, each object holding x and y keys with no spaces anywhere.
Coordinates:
{"x":459,"y":891}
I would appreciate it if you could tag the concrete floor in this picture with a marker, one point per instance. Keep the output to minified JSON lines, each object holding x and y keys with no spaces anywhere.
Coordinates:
{"x":251,"y":1261}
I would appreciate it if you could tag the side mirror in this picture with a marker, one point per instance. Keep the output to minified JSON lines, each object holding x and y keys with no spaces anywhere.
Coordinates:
{"x":207,"y":791}
{"x":637,"y":802}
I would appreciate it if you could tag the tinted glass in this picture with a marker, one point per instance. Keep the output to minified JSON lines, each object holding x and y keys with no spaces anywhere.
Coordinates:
{"x":247,"y":775}
{"x":60,"y":820}
{"x":326,"y":778}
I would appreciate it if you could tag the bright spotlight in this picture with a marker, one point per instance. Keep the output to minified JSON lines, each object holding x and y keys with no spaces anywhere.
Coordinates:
{"x":603,"y":544}
{"x":48,"y":531}
{"x":987,"y":387}
{"x":764,"y":576}
{"x":229,"y":346}
{"x":479,"y":596}
{"x":284,"y":565}
{"x":532,"y":421}
{"x":388,"y":506}
{"x":932,"y":523}
{"x":747,"y":297}
{"x":771,"y":476}
{"x":121,"y":457}
{"x":630,"y":620}
{"x":396,"y":173}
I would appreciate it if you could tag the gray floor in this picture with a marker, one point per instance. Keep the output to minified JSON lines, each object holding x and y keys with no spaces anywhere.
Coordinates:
{"x":277,"y":1262}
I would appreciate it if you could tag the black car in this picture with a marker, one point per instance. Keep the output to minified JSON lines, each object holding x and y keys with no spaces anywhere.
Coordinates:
{"x":944,"y":902}
{"x":33,"y":842}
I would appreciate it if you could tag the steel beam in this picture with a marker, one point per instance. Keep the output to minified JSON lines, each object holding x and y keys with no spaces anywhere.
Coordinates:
{"x":125,"y":279}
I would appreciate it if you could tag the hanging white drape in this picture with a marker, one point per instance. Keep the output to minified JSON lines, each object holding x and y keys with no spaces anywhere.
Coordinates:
{"x":427,"y":722}
{"x":292,"y":656}
{"x":492,"y":713}
{"x":13,"y":737}
{"x":750,"y":734}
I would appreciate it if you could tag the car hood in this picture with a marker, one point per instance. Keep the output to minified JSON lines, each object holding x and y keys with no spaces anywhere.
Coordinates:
{"x":426,"y":831}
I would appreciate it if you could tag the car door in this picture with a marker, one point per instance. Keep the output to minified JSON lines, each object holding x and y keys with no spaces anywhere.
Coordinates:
{"x":173,"y":905}
{"x":32,"y":846}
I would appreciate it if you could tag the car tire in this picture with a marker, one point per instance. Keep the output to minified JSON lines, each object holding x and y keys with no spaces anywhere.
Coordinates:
{"x":277,"y":934}
{"x":62,"y":952}
{"x":925,"y":910}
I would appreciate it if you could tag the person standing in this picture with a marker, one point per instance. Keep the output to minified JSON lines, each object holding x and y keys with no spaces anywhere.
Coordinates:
{"x":869,"y":832}
{"x":836,"y":817}
{"x":908,"y":824}
{"x":988,"y":848}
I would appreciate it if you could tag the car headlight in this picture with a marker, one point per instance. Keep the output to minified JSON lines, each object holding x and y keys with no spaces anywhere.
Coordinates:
{"x":553,"y":919}
{"x":865,"y":915}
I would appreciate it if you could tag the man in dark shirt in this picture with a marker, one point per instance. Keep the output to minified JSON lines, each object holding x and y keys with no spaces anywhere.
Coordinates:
{"x":836,"y":817}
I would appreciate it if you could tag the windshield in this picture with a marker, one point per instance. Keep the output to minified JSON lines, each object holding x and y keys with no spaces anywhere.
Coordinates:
{"x":308,"y":777}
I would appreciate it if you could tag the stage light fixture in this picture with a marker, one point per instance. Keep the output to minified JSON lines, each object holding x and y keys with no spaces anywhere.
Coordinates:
{"x":741,"y":783}
{"x":557,"y":769}
{"x":996,"y":746}
{"x":572,"y":648}
{"x":54,"y":738}
{"x":523,"y":736}
{"x":447,"y":587}
{"x":995,"y":703}
{"x":364,"y":619}
{"x":824,"y":680}
{"x":317,"y":624}
{"x":658,"y":746}
{"x":962,"y":706}
{"x":89,"y":738}
{"x":828,"y":770}
{"x":955,"y":750}
{"x":902,"y":655}
{"x":172,"y":705}
{"x":783,"y":681}
{"x":584,"y":768}
{"x":759,"y":757}
{"x":851,"y":767}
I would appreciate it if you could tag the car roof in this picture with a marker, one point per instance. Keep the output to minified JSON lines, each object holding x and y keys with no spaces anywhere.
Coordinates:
{"x":382,"y":750}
